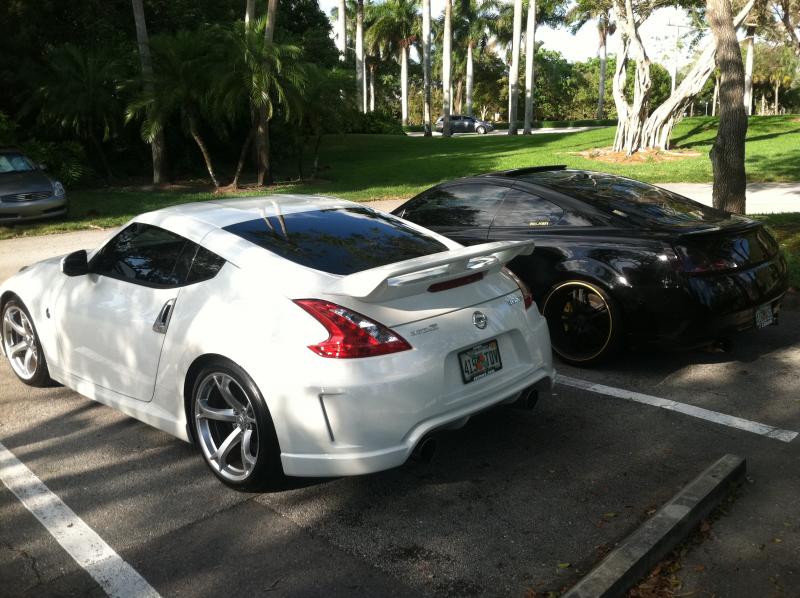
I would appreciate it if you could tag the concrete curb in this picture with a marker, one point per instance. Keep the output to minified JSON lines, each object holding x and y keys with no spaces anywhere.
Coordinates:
{"x":656,"y":537}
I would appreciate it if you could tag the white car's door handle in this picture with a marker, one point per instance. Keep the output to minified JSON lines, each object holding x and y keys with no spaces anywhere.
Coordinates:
{"x":164,"y":316}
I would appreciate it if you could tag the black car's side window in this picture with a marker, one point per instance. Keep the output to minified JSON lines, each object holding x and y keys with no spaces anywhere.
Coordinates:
{"x":471,"y":205}
{"x":151,"y":256}
{"x":521,"y":208}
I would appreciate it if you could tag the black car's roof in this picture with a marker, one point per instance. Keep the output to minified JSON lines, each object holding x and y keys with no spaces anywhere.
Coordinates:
{"x":612,"y":195}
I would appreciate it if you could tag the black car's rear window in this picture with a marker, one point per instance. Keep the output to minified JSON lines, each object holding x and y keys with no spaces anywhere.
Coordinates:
{"x":338,"y":240}
{"x":638,"y":202}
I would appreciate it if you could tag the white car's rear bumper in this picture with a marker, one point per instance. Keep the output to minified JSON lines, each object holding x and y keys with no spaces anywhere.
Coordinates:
{"x":363,"y":462}
{"x":373,"y":412}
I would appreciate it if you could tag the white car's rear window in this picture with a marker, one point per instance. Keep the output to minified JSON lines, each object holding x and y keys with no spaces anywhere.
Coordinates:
{"x":338,"y":240}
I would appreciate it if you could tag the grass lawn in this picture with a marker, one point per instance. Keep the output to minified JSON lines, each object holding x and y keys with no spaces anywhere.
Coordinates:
{"x":365,"y":167}
{"x":786,"y":228}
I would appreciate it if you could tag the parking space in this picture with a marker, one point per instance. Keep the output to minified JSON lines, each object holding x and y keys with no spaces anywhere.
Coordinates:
{"x":516,"y":500}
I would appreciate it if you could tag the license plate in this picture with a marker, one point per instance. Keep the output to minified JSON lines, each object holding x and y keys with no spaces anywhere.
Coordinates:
{"x":764,"y":316}
{"x":480,"y":361}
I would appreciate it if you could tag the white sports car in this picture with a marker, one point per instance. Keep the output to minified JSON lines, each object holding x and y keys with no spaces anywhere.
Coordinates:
{"x":306,"y":335}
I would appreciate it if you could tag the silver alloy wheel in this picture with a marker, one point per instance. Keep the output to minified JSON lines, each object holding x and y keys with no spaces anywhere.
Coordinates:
{"x":226,"y":426}
{"x":20,"y":343}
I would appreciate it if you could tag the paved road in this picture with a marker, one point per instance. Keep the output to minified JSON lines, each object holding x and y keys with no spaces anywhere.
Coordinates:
{"x":505,"y":131}
{"x":513,"y":501}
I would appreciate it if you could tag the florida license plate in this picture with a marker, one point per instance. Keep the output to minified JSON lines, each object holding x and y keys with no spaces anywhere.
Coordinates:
{"x":480,"y":361}
{"x":764,"y":316}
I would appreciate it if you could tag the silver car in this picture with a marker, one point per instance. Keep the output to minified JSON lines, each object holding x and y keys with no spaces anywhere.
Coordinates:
{"x":27,"y":192}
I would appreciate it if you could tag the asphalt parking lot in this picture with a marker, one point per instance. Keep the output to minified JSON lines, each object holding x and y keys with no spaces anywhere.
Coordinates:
{"x":514,"y":502}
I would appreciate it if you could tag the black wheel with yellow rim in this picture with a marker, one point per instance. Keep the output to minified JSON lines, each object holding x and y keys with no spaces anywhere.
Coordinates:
{"x":584,"y":322}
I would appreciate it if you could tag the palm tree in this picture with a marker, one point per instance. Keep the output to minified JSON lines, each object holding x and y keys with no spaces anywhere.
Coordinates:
{"x":600,"y":11}
{"x":475,"y":22}
{"x":77,"y":91}
{"x":260,"y":74}
{"x":426,"y":66}
{"x":187,"y":65}
{"x":157,"y":147}
{"x":395,"y":26}
{"x":447,"y":42}
{"x":530,"y":55}
{"x":513,"y":74}
{"x":341,"y":30}
{"x":361,"y":79}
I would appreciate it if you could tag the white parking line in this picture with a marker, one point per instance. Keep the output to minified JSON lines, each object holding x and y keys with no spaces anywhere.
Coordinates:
{"x":115,"y":576}
{"x":712,"y":416}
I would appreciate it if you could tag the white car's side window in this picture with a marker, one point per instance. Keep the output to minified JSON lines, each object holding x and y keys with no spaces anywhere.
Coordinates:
{"x":151,"y":256}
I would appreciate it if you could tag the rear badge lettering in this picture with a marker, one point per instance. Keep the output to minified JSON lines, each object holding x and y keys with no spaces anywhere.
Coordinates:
{"x":513,"y":300}
{"x":432,"y":328}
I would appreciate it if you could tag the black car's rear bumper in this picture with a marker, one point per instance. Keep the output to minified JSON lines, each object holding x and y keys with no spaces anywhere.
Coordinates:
{"x":706,"y":309}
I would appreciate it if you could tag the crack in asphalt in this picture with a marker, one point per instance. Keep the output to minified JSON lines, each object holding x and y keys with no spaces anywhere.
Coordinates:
{"x":28,"y":558}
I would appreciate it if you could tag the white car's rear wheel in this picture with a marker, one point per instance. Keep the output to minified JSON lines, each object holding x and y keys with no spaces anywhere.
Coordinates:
{"x":233,"y":428}
{"x":22,"y":347}
{"x":481,"y":130}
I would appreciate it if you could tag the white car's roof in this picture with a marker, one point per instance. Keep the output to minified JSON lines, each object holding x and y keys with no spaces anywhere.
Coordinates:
{"x":196,"y":220}
{"x":225,"y":212}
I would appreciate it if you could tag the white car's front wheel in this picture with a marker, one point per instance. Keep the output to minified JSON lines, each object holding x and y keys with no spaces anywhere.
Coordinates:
{"x":233,"y":428}
{"x":22,"y":346}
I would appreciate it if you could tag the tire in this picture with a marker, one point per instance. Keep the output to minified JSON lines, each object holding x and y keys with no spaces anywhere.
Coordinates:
{"x":228,"y":412}
{"x":481,"y":130}
{"x":585,"y":322}
{"x":22,"y":346}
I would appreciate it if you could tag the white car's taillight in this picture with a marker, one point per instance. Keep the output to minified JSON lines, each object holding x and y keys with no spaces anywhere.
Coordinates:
{"x":527,"y":296}
{"x":350,"y":334}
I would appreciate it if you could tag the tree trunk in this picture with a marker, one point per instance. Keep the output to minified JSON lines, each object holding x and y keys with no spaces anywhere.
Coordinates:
{"x":748,"y":70}
{"x":458,"y":97}
{"x":791,"y":28}
{"x":372,"y":88}
{"x":269,"y":30}
{"x":629,"y":133}
{"x":513,"y":73}
{"x":530,"y":53}
{"x":715,"y":97}
{"x":341,"y":30}
{"x":404,"y":84}
{"x":618,"y":93}
{"x":103,"y":159}
{"x":264,"y":173}
{"x":447,"y":42}
{"x":157,"y":145}
{"x":203,"y":150}
{"x":242,"y":156}
{"x":602,"y":51}
{"x":727,"y":153}
{"x":315,"y":168}
{"x":658,"y":127}
{"x":777,"y":89}
{"x":360,"y":71}
{"x":426,"y":67}
{"x":249,"y":13}
{"x":470,"y":76}
{"x":763,"y":104}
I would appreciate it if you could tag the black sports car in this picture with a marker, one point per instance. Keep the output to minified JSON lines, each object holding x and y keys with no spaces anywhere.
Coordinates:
{"x":617,"y":261}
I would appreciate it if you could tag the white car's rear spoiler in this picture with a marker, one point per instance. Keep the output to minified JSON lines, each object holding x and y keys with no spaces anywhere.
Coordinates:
{"x":413,"y":276}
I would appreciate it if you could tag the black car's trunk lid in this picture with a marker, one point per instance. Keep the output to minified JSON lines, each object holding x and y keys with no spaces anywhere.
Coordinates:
{"x":730,"y":245}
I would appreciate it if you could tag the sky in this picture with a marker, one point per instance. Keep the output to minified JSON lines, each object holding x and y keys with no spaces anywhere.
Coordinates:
{"x":657,"y":33}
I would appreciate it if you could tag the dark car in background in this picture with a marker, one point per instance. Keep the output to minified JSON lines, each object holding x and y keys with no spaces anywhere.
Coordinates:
{"x":27,"y":191}
{"x":617,"y":261}
{"x":465,"y":124}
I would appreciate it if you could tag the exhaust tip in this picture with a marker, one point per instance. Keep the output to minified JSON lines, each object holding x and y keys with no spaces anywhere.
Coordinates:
{"x":424,"y":451}
{"x":527,"y":399}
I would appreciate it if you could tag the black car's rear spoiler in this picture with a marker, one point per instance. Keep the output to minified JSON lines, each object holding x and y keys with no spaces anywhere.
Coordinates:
{"x":514,"y":172}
